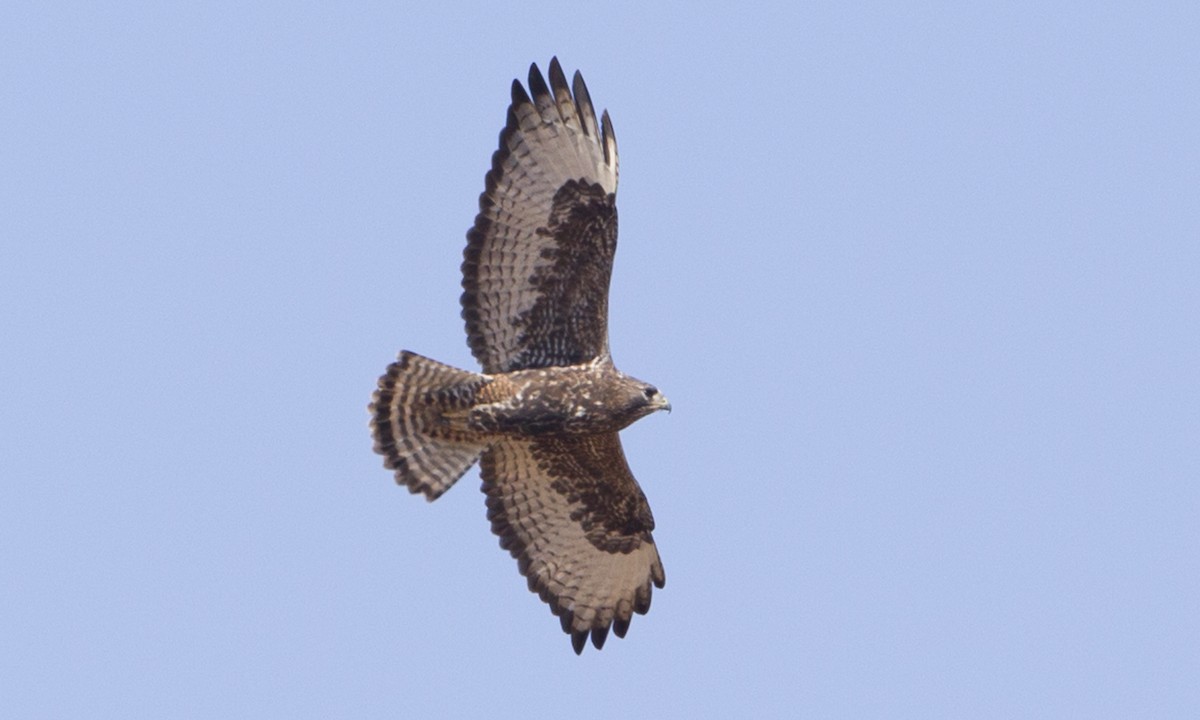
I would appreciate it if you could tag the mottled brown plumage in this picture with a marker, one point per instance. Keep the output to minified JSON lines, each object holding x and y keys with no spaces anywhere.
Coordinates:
{"x":543,"y":416}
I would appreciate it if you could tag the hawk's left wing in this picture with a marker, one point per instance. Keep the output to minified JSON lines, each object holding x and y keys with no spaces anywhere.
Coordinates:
{"x":570,"y":511}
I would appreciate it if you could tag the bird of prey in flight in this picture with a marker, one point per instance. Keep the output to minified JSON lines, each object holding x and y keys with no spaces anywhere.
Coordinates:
{"x":543,"y":415}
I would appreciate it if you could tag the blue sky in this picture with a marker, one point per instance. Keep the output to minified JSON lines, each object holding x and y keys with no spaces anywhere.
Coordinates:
{"x":920,"y":282}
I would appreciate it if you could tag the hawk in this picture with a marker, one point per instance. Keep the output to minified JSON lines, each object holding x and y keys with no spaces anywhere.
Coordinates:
{"x":543,"y":416}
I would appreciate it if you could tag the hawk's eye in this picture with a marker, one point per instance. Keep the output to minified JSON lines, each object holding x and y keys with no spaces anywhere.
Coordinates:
{"x":651,"y":392}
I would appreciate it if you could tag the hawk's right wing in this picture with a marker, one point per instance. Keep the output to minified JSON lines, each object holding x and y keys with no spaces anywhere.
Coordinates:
{"x":538,"y":260}
{"x":570,"y":511}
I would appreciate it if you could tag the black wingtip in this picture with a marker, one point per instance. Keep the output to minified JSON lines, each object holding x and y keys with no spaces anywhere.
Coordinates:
{"x":599,"y":635}
{"x":558,"y":82}
{"x":621,"y":626}
{"x":537,"y":83}
{"x":641,"y":599}
{"x":519,"y":96}
{"x":578,"y":639}
{"x":583,"y":101}
{"x":610,"y":138}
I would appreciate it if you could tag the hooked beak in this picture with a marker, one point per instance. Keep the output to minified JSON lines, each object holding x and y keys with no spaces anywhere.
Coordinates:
{"x":664,"y":403}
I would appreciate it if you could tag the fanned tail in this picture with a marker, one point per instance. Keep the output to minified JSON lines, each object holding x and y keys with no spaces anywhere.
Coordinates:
{"x":408,"y":426}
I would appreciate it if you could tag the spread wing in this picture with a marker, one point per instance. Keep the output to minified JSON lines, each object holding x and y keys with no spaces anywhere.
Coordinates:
{"x":571,"y":513}
{"x":538,"y":260}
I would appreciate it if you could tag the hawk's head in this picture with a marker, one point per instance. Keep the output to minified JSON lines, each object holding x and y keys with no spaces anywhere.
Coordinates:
{"x":639,"y":399}
{"x":654,"y":399}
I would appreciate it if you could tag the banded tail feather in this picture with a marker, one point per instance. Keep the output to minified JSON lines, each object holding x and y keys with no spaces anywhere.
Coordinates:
{"x":409,"y":425}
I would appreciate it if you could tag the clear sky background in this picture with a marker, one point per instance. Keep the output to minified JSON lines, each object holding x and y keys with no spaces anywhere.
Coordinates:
{"x":919,"y":279}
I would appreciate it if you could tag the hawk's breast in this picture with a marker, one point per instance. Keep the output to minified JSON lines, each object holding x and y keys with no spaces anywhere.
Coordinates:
{"x":573,"y":399}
